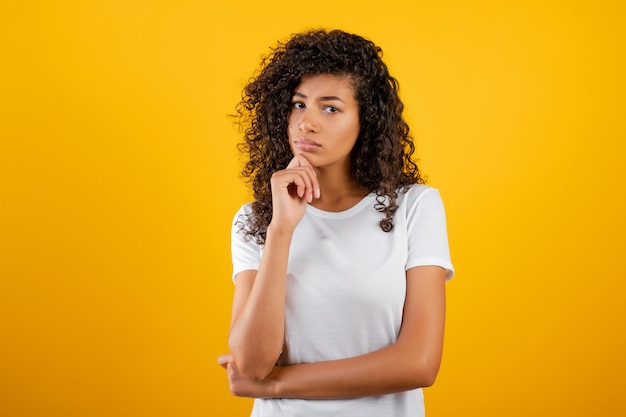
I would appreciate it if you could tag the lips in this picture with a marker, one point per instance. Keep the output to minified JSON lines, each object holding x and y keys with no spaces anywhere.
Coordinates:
{"x":306,"y":145}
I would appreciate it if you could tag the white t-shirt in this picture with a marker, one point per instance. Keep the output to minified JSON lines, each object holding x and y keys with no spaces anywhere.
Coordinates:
{"x":346,"y":286}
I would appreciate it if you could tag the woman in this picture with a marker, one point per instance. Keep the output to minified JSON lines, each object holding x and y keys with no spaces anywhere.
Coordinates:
{"x":340,"y":262}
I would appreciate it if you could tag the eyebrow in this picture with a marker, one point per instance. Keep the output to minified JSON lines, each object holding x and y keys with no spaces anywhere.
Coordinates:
{"x":324,"y":98}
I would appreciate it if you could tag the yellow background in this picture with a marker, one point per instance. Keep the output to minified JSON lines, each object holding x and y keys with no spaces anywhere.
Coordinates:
{"x":119,"y":179}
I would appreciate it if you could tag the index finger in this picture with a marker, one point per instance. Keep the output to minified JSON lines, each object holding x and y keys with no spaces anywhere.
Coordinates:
{"x":299,"y":160}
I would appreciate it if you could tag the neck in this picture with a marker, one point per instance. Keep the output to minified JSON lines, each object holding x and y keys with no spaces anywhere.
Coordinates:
{"x":338,"y":192}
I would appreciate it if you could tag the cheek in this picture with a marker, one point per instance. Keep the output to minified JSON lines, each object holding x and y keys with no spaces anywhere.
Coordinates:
{"x":291,"y":133}
{"x":351,"y":129}
{"x":291,"y":127}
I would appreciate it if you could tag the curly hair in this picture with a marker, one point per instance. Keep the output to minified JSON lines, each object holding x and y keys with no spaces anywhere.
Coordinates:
{"x":381,"y":157}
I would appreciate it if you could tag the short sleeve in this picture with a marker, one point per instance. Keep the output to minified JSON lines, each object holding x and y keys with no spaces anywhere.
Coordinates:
{"x":245,"y":252}
{"x":427,"y":231}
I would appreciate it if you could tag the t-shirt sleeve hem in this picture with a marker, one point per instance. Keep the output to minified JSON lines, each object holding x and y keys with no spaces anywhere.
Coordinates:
{"x":242,"y":268}
{"x":432,"y":261}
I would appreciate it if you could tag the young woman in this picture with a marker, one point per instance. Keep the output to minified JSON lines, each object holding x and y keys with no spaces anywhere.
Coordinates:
{"x":340,"y":262}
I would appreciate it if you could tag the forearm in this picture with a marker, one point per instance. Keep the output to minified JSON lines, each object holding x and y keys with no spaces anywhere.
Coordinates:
{"x":411,"y":362}
{"x":257,"y":335}
{"x":392,"y":369}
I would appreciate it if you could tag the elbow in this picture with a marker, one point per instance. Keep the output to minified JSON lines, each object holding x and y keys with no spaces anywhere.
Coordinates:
{"x":424,"y":373}
{"x":251,"y":364}
{"x":254,"y":371}
{"x":427,"y":379}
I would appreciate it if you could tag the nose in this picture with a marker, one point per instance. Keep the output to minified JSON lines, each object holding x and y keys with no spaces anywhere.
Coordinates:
{"x":308,"y":123}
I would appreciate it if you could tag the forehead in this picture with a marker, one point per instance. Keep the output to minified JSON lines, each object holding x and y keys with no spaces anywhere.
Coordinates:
{"x":322,"y":83}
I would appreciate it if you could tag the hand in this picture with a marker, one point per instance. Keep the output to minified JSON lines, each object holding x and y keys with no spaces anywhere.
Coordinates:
{"x":292,"y":188}
{"x":241,"y":385}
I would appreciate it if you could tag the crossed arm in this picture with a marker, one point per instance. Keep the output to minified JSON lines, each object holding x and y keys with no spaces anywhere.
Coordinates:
{"x":411,"y":362}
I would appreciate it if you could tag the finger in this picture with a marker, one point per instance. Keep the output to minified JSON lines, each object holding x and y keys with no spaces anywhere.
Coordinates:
{"x":299,"y":160}
{"x":224,"y":360}
{"x":308,"y":180}
{"x":312,"y":183}
{"x":297,"y":179}
{"x":302,"y":182}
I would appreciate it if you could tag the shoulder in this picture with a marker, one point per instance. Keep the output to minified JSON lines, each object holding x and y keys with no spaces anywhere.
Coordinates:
{"x":421,"y":201}
{"x":417,"y":193}
{"x":245,"y":209}
{"x":243,"y":213}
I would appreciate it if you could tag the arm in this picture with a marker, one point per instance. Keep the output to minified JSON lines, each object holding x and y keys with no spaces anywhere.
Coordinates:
{"x":257,"y":324}
{"x":258,"y":316}
{"x":411,"y":362}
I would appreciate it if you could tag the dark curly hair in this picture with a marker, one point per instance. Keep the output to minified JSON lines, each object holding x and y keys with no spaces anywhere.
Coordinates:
{"x":381,"y":157}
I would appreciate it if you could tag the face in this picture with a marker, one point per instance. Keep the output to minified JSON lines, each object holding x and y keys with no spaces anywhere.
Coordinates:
{"x":324,"y":120}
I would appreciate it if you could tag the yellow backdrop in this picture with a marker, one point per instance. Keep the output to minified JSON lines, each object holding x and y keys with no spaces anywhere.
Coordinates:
{"x":119,"y":178}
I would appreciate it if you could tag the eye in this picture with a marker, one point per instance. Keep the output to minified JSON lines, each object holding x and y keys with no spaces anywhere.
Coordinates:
{"x":331,"y":109}
{"x":297,"y":105}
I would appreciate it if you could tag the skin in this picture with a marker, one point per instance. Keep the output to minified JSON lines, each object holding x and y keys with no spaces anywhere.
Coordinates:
{"x":326,"y":114}
{"x":323,"y":128}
